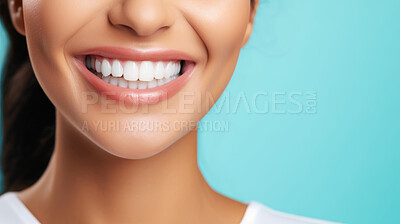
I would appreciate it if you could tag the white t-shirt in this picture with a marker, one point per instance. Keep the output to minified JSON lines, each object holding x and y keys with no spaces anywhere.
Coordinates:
{"x":13,"y":211}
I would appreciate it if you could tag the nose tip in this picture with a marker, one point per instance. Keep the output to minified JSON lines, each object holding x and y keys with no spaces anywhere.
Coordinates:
{"x":143,"y":17}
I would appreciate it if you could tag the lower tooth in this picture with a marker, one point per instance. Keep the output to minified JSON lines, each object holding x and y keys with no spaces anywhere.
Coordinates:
{"x":114,"y":81}
{"x":133,"y":85}
{"x":106,"y":79}
{"x":137,"y":84}
{"x":142,"y":85}
{"x":161,"y":82}
{"x":152,"y":83}
{"x":123,"y":83}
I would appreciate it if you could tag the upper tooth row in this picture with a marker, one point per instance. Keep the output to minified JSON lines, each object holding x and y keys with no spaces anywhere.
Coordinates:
{"x":133,"y":71}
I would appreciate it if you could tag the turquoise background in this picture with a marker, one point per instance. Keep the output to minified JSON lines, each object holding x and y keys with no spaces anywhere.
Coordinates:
{"x":340,"y":161}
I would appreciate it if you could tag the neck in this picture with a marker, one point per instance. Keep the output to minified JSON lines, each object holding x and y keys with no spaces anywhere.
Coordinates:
{"x":159,"y":189}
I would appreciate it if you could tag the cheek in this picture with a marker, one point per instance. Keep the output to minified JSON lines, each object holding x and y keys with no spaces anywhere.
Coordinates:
{"x":54,"y":22}
{"x":221,"y":25}
{"x":49,"y":25}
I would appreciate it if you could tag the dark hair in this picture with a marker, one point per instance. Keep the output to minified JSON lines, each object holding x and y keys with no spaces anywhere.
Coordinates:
{"x":28,"y":115}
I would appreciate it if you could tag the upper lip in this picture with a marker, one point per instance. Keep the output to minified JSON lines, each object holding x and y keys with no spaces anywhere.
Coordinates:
{"x":131,"y":54}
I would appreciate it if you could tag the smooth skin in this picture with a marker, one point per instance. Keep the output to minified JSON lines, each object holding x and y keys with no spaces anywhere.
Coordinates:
{"x":118,"y":176}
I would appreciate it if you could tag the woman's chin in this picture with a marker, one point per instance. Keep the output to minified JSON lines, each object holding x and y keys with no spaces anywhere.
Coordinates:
{"x":135,"y":145}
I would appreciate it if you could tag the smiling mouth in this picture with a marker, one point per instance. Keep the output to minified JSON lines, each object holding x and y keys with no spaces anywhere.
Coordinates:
{"x":135,"y":74}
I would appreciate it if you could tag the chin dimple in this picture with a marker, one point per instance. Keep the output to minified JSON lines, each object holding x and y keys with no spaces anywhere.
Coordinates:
{"x":133,"y":74}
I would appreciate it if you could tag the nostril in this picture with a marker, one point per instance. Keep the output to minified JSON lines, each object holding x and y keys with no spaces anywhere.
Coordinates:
{"x":126,"y":27}
{"x":140,"y":33}
{"x":142,"y":17}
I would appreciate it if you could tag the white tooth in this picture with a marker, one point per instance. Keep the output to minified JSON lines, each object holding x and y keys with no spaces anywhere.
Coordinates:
{"x":106,"y":79}
{"x":175,"y":68}
{"x":159,"y":71}
{"x":114,"y":81}
{"x":105,"y":68}
{"x":152,"y":83}
{"x":168,"y":79}
{"x":178,"y":68}
{"x":133,"y":85}
{"x":117,"y":69}
{"x":123,"y":83}
{"x":142,"y":85}
{"x":98,"y":66}
{"x":169,"y":70}
{"x":131,"y":71}
{"x":161,"y":82}
{"x":146,"y":71}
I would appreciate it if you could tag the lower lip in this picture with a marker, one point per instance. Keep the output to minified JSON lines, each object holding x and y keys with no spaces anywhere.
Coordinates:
{"x":136,"y":96}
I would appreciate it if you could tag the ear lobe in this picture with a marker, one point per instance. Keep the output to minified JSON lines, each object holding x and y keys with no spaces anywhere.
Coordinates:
{"x":250,"y":25}
{"x":17,"y":15}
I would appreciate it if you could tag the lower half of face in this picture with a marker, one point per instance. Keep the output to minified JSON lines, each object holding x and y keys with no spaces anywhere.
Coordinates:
{"x":134,"y":76}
